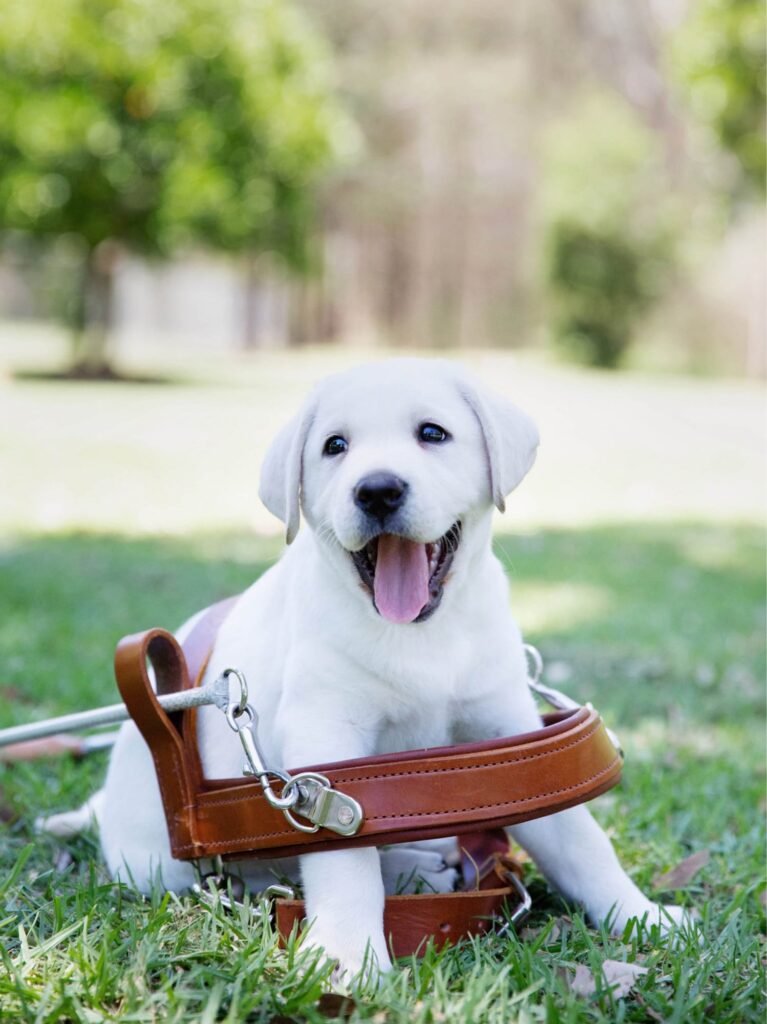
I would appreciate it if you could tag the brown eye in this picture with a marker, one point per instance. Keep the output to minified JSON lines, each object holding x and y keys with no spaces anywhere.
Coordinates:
{"x":432,"y":433}
{"x":335,"y":445}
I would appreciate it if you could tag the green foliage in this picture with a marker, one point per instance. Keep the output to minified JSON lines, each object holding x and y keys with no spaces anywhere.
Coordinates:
{"x":605,"y":238}
{"x":155,"y":126}
{"x":720,"y":57}
{"x":161,"y":124}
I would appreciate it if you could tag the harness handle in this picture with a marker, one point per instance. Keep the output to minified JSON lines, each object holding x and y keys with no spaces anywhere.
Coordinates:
{"x":177,"y":776}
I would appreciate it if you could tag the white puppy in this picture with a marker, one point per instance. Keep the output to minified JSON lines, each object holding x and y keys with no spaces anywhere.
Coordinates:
{"x":384,"y":626}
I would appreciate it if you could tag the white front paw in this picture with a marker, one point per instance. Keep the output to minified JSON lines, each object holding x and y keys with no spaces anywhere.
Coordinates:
{"x":409,"y":868}
{"x":668,"y":918}
{"x":359,"y":958}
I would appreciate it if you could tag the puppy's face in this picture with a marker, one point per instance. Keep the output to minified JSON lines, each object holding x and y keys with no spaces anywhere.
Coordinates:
{"x":392,"y":464}
{"x":395,"y":465}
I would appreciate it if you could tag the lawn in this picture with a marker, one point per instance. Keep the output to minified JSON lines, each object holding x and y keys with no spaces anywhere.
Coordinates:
{"x":635,"y":556}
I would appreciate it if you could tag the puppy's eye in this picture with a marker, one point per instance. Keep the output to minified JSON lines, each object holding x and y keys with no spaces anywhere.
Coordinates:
{"x":335,"y":445}
{"x":432,"y":433}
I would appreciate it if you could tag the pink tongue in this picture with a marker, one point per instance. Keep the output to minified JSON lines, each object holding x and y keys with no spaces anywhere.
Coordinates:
{"x":401,"y":587}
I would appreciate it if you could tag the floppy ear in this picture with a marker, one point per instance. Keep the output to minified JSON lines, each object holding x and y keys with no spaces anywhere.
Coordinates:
{"x":511,"y":440}
{"x":282,"y":472}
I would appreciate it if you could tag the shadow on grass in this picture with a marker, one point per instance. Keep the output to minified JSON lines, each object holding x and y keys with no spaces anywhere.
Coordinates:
{"x":98,"y":375}
{"x":643,"y":618}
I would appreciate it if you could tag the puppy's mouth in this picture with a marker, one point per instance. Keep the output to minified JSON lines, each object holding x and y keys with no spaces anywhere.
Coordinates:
{"x":405,"y":578}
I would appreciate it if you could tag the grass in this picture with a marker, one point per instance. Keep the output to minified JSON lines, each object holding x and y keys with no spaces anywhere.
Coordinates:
{"x":658,"y":618}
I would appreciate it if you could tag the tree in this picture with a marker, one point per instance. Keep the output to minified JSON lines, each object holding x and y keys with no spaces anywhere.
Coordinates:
{"x":133,"y":124}
{"x":720,"y":57}
{"x":606,"y":234}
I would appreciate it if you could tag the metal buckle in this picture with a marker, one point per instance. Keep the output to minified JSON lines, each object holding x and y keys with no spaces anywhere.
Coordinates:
{"x":308,"y":794}
{"x":219,"y":887}
{"x":525,"y":899}
{"x":522,"y":909}
{"x":556,"y":698}
{"x":324,"y":806}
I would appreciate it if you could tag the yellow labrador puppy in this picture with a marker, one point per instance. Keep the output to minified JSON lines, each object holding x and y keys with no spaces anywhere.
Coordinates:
{"x":384,"y":626}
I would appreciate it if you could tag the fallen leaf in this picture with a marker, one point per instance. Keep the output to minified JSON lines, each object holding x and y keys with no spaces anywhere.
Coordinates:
{"x":531,"y":934}
{"x":333,"y":1004}
{"x":583,"y":983}
{"x":619,"y":977}
{"x":681,"y":875}
{"x":62,"y":859}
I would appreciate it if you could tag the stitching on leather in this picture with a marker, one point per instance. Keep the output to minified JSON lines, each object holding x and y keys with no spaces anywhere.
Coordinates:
{"x":423,"y":814}
{"x":503,"y":803}
{"x":465,"y":767}
{"x":426,"y":771}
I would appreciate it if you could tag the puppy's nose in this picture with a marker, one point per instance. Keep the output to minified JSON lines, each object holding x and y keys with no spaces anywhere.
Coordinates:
{"x":379,"y":494}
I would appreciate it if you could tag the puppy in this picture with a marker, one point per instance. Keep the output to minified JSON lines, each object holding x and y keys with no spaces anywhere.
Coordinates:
{"x":384,"y":626}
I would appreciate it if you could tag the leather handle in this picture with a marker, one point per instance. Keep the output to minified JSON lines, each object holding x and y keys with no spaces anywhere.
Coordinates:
{"x":161,"y":732}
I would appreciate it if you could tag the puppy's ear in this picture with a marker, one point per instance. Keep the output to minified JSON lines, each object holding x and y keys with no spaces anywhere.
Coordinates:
{"x":510,"y":437}
{"x":282,"y":472}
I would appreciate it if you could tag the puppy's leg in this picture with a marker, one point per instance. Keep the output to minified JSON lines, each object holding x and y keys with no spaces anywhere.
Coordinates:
{"x":344,"y":903}
{"x":578,"y":859}
{"x":343,"y":888}
{"x":570,"y":848}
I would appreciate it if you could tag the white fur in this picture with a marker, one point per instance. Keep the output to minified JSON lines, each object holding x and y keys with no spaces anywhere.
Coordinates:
{"x":332,"y":679}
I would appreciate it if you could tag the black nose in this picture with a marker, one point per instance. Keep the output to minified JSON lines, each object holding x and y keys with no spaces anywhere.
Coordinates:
{"x":379,"y":494}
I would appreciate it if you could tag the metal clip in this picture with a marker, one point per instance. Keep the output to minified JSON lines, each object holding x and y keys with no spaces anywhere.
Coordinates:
{"x":324,"y":806}
{"x":556,"y":698}
{"x":522,"y":909}
{"x":218,"y":887}
{"x":308,"y":794}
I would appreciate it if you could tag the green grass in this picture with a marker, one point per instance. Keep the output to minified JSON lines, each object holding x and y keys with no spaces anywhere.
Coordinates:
{"x":657,"y":618}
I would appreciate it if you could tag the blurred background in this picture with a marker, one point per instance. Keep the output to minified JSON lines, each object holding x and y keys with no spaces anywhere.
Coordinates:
{"x":573,"y":177}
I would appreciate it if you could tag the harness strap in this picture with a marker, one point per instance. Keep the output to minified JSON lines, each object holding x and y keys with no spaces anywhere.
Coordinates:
{"x":467,"y":789}
{"x":411,"y":921}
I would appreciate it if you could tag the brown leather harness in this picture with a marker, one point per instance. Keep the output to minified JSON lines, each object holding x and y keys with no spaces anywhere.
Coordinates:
{"x":471,"y":790}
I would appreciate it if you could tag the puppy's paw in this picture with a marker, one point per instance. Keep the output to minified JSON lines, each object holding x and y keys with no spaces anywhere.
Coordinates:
{"x":672,"y":921}
{"x":66,"y":825}
{"x":361,"y":962}
{"x":412,"y":868}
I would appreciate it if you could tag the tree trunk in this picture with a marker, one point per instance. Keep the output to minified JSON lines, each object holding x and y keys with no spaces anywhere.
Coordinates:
{"x":90,"y":349}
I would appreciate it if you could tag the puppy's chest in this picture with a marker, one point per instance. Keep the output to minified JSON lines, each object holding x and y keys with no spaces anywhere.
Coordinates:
{"x":414,"y":732}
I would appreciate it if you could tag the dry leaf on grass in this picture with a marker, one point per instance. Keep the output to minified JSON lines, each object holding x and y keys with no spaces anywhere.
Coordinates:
{"x":583,"y":983}
{"x":333,"y":1004}
{"x":619,"y":977}
{"x":684,"y":872}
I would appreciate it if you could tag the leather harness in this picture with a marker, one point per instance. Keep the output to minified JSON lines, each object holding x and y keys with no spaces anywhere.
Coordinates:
{"x":471,"y":790}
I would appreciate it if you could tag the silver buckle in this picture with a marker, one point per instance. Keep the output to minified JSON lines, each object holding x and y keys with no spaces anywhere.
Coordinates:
{"x":307,"y":794}
{"x":522,"y":909}
{"x":525,"y":899}
{"x":219,"y":888}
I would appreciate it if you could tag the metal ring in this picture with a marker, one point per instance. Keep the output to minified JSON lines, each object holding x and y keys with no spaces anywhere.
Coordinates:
{"x":295,"y":785}
{"x":535,"y":659}
{"x":297,"y":824}
{"x":234,"y":716}
{"x":243,"y":701}
{"x":288,"y":799}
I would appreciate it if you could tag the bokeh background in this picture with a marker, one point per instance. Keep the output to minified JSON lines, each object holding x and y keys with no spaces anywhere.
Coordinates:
{"x":205,"y":206}
{"x":580,"y":177}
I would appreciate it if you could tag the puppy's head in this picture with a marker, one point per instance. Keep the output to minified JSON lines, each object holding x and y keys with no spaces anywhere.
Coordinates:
{"x":393,"y":463}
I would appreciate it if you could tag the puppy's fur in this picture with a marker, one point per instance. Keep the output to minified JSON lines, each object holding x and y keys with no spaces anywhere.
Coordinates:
{"x":333,"y":678}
